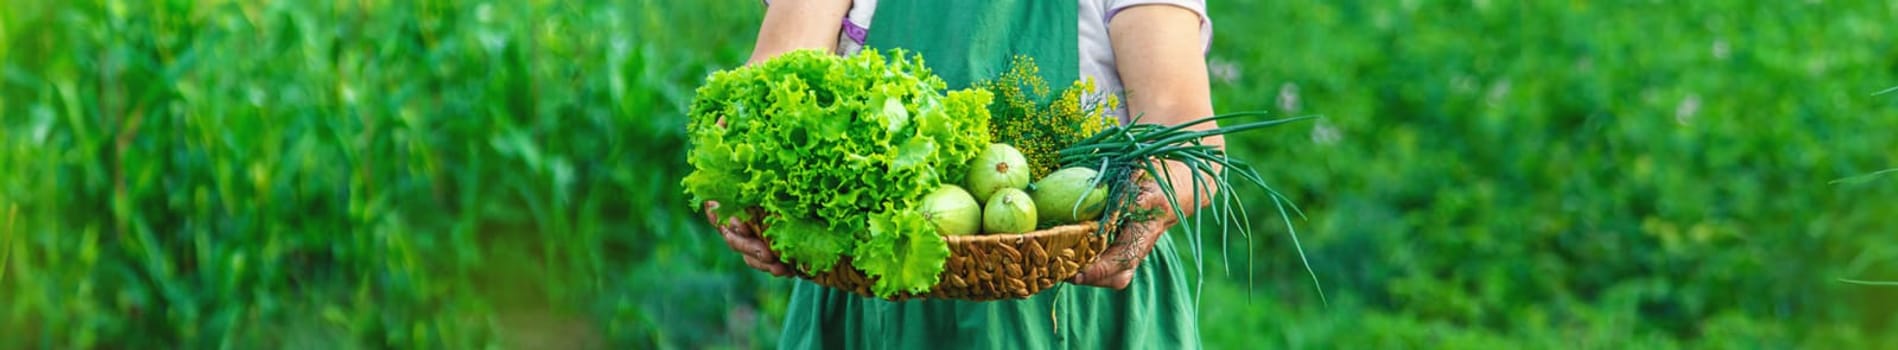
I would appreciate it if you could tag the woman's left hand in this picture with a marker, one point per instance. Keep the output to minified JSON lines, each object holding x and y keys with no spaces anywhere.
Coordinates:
{"x":1114,"y":268}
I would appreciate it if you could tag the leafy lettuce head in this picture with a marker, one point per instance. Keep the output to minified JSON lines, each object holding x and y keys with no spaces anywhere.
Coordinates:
{"x":838,"y":153}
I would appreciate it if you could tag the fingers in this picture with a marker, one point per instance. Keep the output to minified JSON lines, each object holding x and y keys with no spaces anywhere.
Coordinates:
{"x":1118,"y":281}
{"x":739,"y":235}
{"x":757,"y":255}
{"x":1114,"y":268}
{"x":709,"y":216}
{"x":1103,"y":275}
{"x":744,"y":238}
{"x":740,"y":238}
{"x":773,"y":267}
{"x":738,"y":241}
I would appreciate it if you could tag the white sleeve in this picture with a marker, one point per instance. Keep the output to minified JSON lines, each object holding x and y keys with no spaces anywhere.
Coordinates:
{"x":1197,"y":6}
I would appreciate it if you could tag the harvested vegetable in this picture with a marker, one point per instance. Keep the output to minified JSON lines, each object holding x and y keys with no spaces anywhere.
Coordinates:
{"x":838,"y":152}
{"x":1011,"y":211}
{"x":1123,"y":151}
{"x":998,"y":167}
{"x":953,"y":211}
{"x":1068,"y":196}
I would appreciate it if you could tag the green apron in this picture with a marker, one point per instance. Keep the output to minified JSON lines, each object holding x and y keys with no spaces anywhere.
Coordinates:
{"x":964,"y":42}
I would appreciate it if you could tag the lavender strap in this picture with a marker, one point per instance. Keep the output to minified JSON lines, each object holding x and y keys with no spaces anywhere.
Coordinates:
{"x":855,"y":32}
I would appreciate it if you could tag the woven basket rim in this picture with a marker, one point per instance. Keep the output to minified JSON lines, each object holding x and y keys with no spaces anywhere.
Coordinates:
{"x":1063,"y":230}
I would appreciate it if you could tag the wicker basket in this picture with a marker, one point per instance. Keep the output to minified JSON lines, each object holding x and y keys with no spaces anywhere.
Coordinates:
{"x":994,"y":267}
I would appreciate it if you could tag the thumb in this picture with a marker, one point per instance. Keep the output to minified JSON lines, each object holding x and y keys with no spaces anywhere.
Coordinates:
{"x":1093,"y":271}
{"x":1086,"y":273}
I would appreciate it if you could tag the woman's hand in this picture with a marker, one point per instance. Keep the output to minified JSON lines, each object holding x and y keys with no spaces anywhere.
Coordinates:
{"x":1114,"y":268}
{"x":746,"y":239}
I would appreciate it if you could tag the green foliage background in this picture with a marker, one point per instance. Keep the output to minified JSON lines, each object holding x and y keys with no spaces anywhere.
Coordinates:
{"x":342,"y":174}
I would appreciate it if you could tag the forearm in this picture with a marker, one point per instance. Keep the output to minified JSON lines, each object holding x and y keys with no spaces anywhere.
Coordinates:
{"x":791,"y":25}
{"x":1160,"y":62}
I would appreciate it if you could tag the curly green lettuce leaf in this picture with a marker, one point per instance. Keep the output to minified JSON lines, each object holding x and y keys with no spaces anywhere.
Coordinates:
{"x":809,"y":245}
{"x":717,"y":174}
{"x":903,"y":253}
{"x":948,"y":123}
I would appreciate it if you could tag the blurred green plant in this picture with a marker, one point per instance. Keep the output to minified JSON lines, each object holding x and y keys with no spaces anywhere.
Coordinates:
{"x":359,"y":174}
{"x":1860,"y":180}
{"x":1577,"y":153}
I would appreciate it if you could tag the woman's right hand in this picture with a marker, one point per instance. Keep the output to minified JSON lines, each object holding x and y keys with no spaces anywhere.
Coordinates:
{"x":745,"y":238}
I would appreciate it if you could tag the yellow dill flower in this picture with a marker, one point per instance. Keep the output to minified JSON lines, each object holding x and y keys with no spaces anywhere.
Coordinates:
{"x":1039,"y":130}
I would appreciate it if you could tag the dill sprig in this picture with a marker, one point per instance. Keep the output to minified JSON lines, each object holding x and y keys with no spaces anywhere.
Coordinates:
{"x":1018,"y":116}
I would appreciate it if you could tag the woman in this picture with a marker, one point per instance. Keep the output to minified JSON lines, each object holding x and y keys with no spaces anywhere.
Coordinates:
{"x":1155,"y":48}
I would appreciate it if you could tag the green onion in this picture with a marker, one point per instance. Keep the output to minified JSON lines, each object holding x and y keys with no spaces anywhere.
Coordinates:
{"x":1121,"y":152}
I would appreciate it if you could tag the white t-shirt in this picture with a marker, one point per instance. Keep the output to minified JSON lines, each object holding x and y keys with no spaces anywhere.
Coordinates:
{"x":1097,"y":51}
